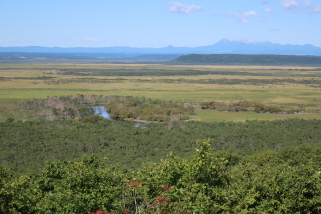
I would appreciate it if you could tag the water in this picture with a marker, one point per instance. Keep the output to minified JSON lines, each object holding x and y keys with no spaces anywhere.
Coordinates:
{"x":101,"y":111}
{"x":138,"y":125}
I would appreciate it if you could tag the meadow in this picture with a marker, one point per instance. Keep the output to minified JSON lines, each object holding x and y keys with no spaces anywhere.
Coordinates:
{"x":285,"y":86}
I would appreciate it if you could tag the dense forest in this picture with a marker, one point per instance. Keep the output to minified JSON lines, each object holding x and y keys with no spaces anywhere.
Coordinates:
{"x":246,"y":59}
{"x":285,"y":181}
{"x":26,"y":146}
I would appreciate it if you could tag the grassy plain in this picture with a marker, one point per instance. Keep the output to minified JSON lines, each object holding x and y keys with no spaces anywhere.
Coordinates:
{"x":22,"y":81}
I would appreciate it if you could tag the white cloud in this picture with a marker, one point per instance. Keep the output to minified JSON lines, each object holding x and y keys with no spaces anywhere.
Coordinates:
{"x":87,"y":39}
{"x":264,"y":1}
{"x":176,"y":7}
{"x":250,"y":13}
{"x":308,"y":6}
{"x":242,"y":17}
{"x":289,"y":4}
{"x":268,"y":10}
{"x":312,"y":7}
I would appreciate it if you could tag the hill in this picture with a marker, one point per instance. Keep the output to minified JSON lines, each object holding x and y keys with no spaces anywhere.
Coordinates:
{"x":247,"y":59}
{"x":223,"y":46}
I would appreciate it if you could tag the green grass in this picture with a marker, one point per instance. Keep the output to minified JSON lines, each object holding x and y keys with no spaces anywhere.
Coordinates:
{"x":213,"y":115}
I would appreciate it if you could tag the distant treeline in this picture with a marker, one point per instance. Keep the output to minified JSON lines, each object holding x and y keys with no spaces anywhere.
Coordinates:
{"x":253,"y":107}
{"x":123,"y":71}
{"x":163,"y":72}
{"x":78,"y":80}
{"x":246,"y":59}
{"x":135,"y":72}
{"x":224,"y":81}
{"x":312,"y":82}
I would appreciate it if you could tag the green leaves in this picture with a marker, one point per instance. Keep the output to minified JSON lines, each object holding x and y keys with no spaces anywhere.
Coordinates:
{"x":267,"y":182}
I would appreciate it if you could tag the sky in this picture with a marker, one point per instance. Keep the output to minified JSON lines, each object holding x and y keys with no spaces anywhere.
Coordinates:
{"x":157,"y":23}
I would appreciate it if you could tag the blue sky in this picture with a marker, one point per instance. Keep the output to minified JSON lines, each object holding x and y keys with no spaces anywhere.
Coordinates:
{"x":157,"y":23}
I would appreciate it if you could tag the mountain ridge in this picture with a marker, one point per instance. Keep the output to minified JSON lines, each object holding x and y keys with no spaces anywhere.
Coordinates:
{"x":239,"y":46}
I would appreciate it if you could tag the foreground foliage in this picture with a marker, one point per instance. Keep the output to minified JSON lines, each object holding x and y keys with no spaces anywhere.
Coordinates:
{"x":287,"y":181}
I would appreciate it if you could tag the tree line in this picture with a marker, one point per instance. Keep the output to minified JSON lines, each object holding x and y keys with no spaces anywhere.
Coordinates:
{"x":248,"y":59}
{"x":252,"y":106}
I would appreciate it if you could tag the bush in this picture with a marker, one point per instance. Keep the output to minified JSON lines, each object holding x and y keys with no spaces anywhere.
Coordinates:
{"x":9,"y":120}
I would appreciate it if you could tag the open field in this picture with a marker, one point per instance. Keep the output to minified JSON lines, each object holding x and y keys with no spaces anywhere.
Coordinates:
{"x":288,"y":87}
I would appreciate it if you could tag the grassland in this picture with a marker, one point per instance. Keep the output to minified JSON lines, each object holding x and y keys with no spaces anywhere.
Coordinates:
{"x":22,"y":81}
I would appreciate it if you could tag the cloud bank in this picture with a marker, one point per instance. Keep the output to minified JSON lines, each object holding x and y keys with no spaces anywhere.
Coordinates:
{"x":307,"y":6}
{"x":289,"y":4}
{"x":312,"y":7}
{"x":176,"y":7}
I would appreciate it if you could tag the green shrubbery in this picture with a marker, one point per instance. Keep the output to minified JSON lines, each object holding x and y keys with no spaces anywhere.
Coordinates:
{"x":147,"y":109}
{"x":287,"y":181}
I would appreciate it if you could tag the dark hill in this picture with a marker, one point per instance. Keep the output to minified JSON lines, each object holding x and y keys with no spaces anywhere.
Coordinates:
{"x":247,"y":59}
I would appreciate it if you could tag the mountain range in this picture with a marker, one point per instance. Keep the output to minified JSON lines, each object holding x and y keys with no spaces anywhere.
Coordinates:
{"x":224,"y":46}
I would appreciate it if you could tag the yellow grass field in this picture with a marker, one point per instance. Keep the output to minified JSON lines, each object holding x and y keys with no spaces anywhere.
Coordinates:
{"x":15,"y":86}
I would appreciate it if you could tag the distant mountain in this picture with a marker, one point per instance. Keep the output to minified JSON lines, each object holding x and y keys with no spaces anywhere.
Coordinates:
{"x":224,"y":46}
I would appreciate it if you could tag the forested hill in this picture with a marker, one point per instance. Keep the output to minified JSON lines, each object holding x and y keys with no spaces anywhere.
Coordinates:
{"x":248,"y":59}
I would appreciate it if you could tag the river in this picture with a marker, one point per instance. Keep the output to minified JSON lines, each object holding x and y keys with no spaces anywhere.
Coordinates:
{"x":102,"y":111}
